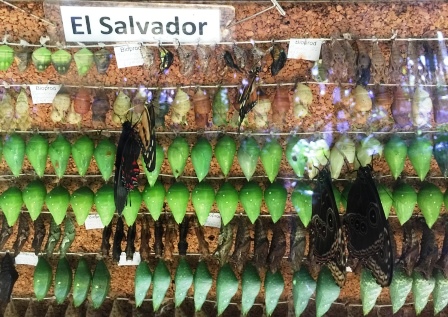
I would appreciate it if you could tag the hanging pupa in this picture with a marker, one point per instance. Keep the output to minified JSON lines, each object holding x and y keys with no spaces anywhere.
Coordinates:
{"x":281,"y":105}
{"x":147,"y":55}
{"x":421,"y":107}
{"x":6,"y":111}
{"x":162,"y":103}
{"x":121,"y":107}
{"x":137,"y":106}
{"x":261,"y":110}
{"x":204,"y":54}
{"x":72,"y":116}
{"x":41,"y":58}
{"x":84,"y":60}
{"x":220,"y":107}
{"x":302,"y":99}
{"x":401,"y":107}
{"x":441,"y":105}
{"x":278,"y":59}
{"x":180,"y":107}
{"x":100,"y":107}
{"x":240,"y":56}
{"x":61,"y":60}
{"x":101,"y":59}
{"x":202,"y":108}
{"x":187,"y":58}
{"x":6,"y":57}
{"x":166,"y":59}
{"x":82,"y":101}
{"x":61,"y":104}
{"x":363,"y":102}
{"x":22,"y":58}
{"x":22,"y":119}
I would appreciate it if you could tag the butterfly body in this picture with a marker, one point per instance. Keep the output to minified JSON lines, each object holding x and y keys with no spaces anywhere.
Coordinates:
{"x":328,"y":244}
{"x":367,"y":227}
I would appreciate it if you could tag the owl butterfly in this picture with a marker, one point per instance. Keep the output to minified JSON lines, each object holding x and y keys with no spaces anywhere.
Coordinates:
{"x":367,"y":228}
{"x":249,"y":98}
{"x":327,"y":243}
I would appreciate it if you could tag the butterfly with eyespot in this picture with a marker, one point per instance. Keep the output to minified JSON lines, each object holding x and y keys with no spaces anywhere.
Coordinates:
{"x":249,"y":97}
{"x":133,"y":140}
{"x":327,"y":240}
{"x":367,"y":228}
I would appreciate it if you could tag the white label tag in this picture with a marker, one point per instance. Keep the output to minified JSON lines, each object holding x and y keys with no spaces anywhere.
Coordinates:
{"x":135,"y":260}
{"x":26,"y":258}
{"x":213,"y":220}
{"x":43,"y":93}
{"x":308,"y":49}
{"x":348,"y":269}
{"x":93,"y":221}
{"x":128,"y":55}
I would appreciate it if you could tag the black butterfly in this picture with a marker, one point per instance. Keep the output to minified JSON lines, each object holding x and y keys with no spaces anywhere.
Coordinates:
{"x":8,"y":277}
{"x":328,"y":243}
{"x":126,"y":166}
{"x":228,"y":59}
{"x":249,"y":98}
{"x":367,"y":228}
{"x":132,"y":142}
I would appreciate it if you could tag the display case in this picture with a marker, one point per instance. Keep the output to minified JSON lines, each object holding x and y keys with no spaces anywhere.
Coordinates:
{"x":259,"y":121}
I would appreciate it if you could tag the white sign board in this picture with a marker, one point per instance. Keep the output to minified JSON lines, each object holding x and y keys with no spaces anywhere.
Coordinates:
{"x":213,"y":220}
{"x":308,"y":49}
{"x":43,"y":93}
{"x":93,"y":221}
{"x":26,"y":258}
{"x":128,"y":55}
{"x":140,"y":24}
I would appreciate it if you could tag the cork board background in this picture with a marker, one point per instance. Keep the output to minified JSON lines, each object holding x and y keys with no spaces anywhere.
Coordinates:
{"x":314,"y":20}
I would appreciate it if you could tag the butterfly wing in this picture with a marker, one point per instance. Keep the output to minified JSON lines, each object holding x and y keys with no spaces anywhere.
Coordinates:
{"x":368,"y":229}
{"x":147,"y":137}
{"x":328,"y":245}
{"x":126,"y":166}
{"x":249,"y":98}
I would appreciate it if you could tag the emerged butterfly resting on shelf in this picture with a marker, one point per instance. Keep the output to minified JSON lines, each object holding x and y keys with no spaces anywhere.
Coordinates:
{"x":327,"y":243}
{"x":367,"y":228}
{"x":133,"y":140}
